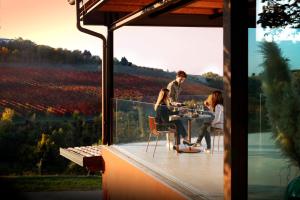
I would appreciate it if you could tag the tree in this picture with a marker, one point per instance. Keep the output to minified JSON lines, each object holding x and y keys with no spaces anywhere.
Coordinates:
{"x":4,"y":51}
{"x":124,"y":61}
{"x":43,"y":148}
{"x":87,"y":54}
{"x":211,"y":75}
{"x":279,"y":13}
{"x":7,"y":115}
{"x":214,"y":80}
{"x":296,"y":81}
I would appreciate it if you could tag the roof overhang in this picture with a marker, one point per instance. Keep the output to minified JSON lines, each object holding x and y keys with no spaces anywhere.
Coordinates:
{"x":179,"y":13}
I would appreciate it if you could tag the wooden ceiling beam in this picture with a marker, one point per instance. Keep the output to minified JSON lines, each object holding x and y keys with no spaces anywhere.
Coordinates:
{"x":152,"y":10}
{"x":119,"y":8}
{"x":145,"y":2}
{"x":199,"y":11}
{"x":205,"y":4}
{"x":198,"y":7}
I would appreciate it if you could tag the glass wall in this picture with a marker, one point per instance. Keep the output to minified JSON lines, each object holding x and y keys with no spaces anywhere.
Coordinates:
{"x":273,"y":95}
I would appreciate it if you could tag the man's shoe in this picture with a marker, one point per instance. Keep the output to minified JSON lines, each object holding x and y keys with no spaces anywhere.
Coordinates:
{"x":187,"y":143}
{"x":196,"y":145}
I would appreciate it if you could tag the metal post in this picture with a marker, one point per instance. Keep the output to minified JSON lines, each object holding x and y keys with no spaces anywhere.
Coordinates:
{"x":260,"y":138}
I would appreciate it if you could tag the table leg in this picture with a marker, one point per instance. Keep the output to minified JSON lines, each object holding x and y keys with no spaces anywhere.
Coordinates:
{"x":189,"y":129}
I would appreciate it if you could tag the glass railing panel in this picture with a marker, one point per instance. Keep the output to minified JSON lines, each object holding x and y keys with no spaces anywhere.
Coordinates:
{"x":273,"y":90}
{"x":131,"y":118}
{"x":131,"y":121}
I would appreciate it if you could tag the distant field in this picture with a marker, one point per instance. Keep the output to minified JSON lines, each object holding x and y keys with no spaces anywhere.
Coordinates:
{"x":49,"y":90}
{"x":63,"y":91}
{"x":51,"y":183}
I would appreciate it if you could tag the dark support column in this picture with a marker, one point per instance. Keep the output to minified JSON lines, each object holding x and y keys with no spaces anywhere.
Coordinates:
{"x":236,"y":99}
{"x":110,"y":86}
{"x":108,"y":90}
{"x":103,"y":105}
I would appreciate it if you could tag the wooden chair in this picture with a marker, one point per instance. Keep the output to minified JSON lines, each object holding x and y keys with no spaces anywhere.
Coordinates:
{"x":156,"y":133}
{"x":218,"y":132}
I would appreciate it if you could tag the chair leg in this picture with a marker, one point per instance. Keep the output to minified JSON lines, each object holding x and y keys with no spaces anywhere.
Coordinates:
{"x":148,"y":141}
{"x":155,"y":146}
{"x":168,"y":137}
{"x":218,"y":140}
{"x":213,"y":146}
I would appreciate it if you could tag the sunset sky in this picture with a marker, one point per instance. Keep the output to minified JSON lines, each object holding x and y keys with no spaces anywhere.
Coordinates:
{"x":53,"y":23}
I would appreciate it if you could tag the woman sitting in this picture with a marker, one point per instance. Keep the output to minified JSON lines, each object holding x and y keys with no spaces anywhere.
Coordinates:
{"x":163,"y":112}
{"x":214,"y":103}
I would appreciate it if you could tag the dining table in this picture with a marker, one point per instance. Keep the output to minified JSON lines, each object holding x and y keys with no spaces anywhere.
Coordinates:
{"x":198,"y":116}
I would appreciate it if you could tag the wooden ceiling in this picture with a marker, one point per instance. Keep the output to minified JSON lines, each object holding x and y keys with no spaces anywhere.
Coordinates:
{"x":200,"y":7}
{"x":195,"y":13}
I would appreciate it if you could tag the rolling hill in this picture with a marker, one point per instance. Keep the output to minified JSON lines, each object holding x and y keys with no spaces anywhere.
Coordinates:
{"x":63,"y":91}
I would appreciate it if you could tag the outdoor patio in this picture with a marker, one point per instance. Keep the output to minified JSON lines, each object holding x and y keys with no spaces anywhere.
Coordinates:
{"x":199,"y":173}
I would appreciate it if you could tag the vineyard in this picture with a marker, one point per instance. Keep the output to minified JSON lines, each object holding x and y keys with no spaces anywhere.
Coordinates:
{"x":49,"y":90}
{"x":64,"y":91}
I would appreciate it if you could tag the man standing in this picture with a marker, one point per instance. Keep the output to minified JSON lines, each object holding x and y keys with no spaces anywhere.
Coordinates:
{"x":175,"y":87}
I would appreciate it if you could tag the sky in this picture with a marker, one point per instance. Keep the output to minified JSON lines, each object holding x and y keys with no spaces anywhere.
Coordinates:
{"x":53,"y":23}
{"x":288,"y":41}
{"x":289,"y":45}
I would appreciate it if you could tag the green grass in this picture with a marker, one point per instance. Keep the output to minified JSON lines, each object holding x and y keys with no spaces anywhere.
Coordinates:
{"x":52,"y":183}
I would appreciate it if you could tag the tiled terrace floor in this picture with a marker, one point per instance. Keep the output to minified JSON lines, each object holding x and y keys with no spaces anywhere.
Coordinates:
{"x":201,"y":173}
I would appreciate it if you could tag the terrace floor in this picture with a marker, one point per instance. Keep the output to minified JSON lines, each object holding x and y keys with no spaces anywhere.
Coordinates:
{"x":199,"y":173}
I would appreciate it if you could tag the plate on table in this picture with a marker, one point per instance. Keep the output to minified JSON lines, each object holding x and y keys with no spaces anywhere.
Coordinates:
{"x":173,"y":117}
{"x":205,"y":116}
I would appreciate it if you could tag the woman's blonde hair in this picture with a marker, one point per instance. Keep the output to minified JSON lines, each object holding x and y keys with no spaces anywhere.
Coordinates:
{"x":162,"y":97}
{"x":208,"y":101}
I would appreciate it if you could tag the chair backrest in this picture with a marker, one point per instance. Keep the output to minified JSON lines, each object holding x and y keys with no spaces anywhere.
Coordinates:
{"x":219,"y":118}
{"x":152,"y":125}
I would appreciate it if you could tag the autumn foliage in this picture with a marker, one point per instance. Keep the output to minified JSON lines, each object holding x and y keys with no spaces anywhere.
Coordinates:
{"x":63,"y":91}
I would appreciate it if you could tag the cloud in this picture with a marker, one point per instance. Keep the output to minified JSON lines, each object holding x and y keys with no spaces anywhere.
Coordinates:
{"x":278,"y":35}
